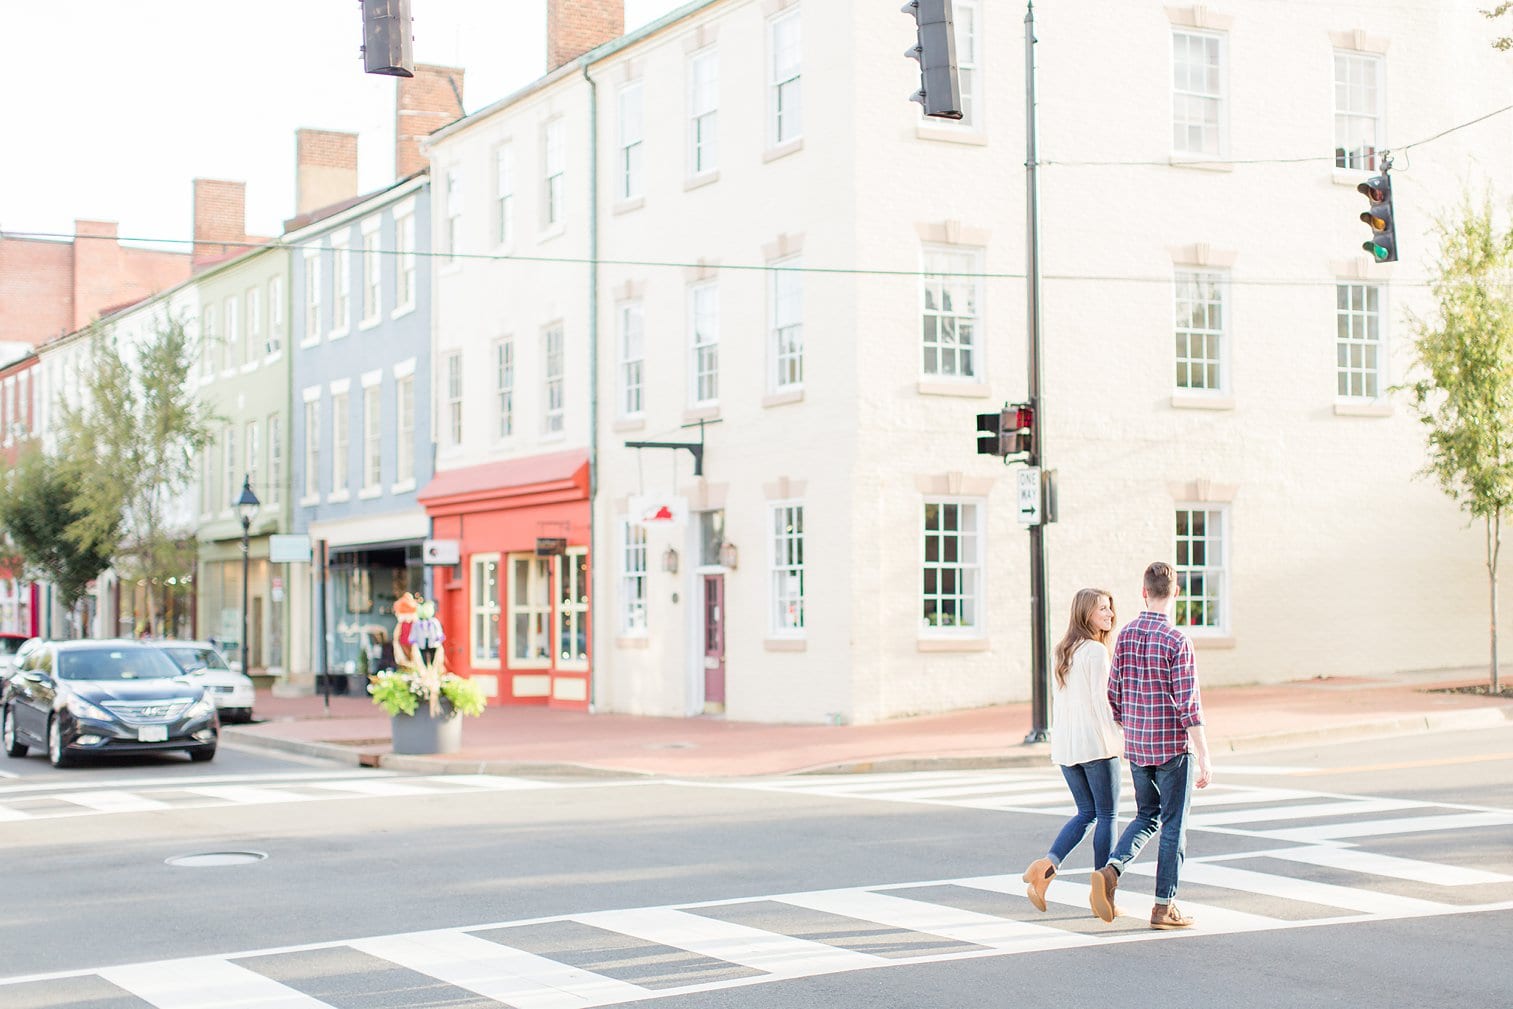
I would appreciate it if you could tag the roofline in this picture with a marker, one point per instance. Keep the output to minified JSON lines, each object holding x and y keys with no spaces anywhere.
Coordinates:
{"x":389,"y":194}
{"x":596,"y":55}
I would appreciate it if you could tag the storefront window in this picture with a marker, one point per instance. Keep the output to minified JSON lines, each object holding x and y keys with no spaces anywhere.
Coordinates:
{"x":364,"y":584}
{"x":486,"y":608}
{"x":530,"y":611}
{"x":572,"y":610}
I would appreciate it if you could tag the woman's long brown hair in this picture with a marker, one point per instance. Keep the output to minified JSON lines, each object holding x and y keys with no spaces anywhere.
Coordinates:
{"x":1081,"y":629}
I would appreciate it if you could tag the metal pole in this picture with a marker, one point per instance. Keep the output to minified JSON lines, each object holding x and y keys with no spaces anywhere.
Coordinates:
{"x":1039,"y":671}
{"x":246,"y":529}
{"x":320,"y":592}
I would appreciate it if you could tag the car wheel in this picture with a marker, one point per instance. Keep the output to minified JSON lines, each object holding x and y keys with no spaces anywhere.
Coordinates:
{"x":56,"y":755}
{"x":202,"y":755}
{"x":13,"y":746}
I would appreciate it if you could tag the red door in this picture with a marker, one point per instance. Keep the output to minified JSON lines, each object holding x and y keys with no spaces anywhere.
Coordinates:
{"x":714,"y":644}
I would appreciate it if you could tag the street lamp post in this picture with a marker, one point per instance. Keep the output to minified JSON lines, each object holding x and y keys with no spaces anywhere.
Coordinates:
{"x":246,"y":509}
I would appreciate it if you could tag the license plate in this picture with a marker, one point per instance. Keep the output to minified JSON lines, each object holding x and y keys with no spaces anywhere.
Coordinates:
{"x":152,"y":734}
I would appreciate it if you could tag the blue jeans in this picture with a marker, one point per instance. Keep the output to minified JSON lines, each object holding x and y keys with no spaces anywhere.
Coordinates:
{"x":1095,"y":789}
{"x":1162,"y":794}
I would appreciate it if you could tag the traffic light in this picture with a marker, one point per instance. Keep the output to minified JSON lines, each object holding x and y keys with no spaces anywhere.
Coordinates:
{"x":939,"y":84}
{"x":1007,"y":432}
{"x":388,"y":43}
{"x":987,"y":433}
{"x":1383,"y":244}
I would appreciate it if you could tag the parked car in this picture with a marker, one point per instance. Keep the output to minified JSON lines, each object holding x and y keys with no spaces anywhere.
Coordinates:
{"x":75,"y":698}
{"x":11,"y":646}
{"x":233,"y":692}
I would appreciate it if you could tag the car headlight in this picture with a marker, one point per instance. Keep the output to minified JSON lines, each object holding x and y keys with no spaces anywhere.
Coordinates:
{"x":199,"y":709}
{"x":84,"y":709}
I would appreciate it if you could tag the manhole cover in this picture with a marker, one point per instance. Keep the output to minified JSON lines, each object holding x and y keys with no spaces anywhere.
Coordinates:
{"x":206,"y":859}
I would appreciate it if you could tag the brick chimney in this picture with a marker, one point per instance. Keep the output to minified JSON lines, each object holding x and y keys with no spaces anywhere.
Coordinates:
{"x":424,"y":104}
{"x":220,"y":215}
{"x":573,"y":27}
{"x":325,"y":168}
{"x":99,"y":267}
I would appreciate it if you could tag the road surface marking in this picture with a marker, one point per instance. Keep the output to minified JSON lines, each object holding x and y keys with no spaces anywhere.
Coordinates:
{"x":1369,"y":863}
{"x":206,"y":983}
{"x":1074,"y":893}
{"x":1381,"y":828}
{"x":1349,"y":807}
{"x":1291,"y":888}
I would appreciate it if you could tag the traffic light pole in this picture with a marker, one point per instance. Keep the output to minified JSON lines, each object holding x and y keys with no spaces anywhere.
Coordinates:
{"x":1039,"y":669}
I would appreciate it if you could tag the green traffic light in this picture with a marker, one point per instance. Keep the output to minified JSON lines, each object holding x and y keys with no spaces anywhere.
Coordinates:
{"x":1380,"y":252}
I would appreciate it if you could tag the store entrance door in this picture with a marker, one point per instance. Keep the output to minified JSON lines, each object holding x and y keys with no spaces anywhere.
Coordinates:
{"x":714,"y":644}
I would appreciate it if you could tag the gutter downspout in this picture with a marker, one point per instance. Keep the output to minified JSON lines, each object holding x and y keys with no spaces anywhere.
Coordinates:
{"x":595,"y":636}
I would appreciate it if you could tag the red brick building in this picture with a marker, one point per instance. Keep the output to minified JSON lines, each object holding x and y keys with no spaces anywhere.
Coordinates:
{"x":19,"y":599}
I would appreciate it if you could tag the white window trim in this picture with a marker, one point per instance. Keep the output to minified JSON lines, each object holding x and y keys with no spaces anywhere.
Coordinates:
{"x":773,"y":628}
{"x":694,"y":400}
{"x":1224,"y":628}
{"x":695,"y":173}
{"x":547,"y":434}
{"x":1226,"y":303}
{"x":507,"y":644}
{"x":502,"y":574}
{"x":549,"y":228}
{"x":374,"y":388}
{"x":624,"y":577}
{"x":404,"y":212}
{"x":774,"y":143}
{"x":341,"y":266}
{"x":979,"y":373}
{"x":499,"y":389}
{"x":560,"y":567}
{"x":1384,"y":335}
{"x":1355,"y":174}
{"x":405,"y":368}
{"x":1224,"y":94}
{"x":370,"y":228}
{"x":448,"y":445}
{"x":775,"y":383}
{"x":622,"y":361}
{"x":979,"y":630}
{"x":504,"y":217}
{"x":451,"y":177}
{"x":627,"y":187}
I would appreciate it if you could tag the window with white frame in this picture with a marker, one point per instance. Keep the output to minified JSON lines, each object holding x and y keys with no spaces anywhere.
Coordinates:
{"x":572,"y":610}
{"x":452,"y":226}
{"x":633,"y":554}
{"x":632,"y":133}
{"x":554,"y":365}
{"x":554,"y":166}
{"x":254,"y":302}
{"x":312,"y":448}
{"x":232,"y":345}
{"x":530,"y":610}
{"x":787,"y":333}
{"x":26,"y":402}
{"x":404,"y":253}
{"x":312,"y":294}
{"x":233,"y":463}
{"x":950,"y":308}
{"x":504,"y":388}
{"x":1201,"y":574}
{"x":1199,"y":330}
{"x":254,"y":450}
{"x":1197,"y":93}
{"x":952,"y":590}
{"x":208,"y":349}
{"x":404,"y":450}
{"x":787,"y":555}
{"x":207,"y":481}
{"x":785,"y":97}
{"x":632,"y":358}
{"x":341,"y":443}
{"x":275,"y":460}
{"x":485,"y":607}
{"x":372,"y":433}
{"x":452,"y":375}
{"x":275,"y":316}
{"x":371,"y":265}
{"x":1358,"y":340}
{"x":341,"y":285}
{"x":504,"y":194}
{"x":703,"y":112}
{"x":968,"y":15}
{"x":1357,"y":109}
{"x":704,"y":343}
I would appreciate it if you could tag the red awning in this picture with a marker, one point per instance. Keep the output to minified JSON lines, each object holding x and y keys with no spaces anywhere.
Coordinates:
{"x":510,"y":483}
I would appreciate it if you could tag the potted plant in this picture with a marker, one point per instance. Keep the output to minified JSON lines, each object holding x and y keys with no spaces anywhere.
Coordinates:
{"x":425,"y":706}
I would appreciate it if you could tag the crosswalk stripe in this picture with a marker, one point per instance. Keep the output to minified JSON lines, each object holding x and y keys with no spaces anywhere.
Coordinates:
{"x":514,"y":977}
{"x":494,"y":782}
{"x":7,"y":814}
{"x":1355,"y":860}
{"x":1291,"y":888}
{"x":1351,"y":807}
{"x":389,"y":788}
{"x":770,"y":952}
{"x":208,"y":983}
{"x":869,"y":785}
{"x":1381,"y":828}
{"x":1074,"y":893}
{"x":967,"y":790}
{"x":248,"y":795}
{"x":115,"y":802}
{"x":935,"y":919}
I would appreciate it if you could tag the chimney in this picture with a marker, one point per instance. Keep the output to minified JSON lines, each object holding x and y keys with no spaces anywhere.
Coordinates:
{"x":325,"y":168}
{"x":99,"y":269}
{"x":573,"y":27}
{"x":424,"y":104}
{"x":220,"y":215}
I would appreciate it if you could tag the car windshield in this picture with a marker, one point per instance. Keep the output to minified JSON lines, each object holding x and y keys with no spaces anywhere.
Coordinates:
{"x":190,"y":658}
{"x":10,"y":646}
{"x":115,"y":664}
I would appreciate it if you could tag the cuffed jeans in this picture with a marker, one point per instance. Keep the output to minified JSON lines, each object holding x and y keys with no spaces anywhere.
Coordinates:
{"x":1162,"y":794}
{"x":1095,"y":789}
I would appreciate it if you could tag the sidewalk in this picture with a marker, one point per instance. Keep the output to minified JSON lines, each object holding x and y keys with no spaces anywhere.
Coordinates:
{"x":543,"y":741}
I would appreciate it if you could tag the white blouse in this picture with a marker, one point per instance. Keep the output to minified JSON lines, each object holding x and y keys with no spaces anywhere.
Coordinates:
{"x":1082,"y":724}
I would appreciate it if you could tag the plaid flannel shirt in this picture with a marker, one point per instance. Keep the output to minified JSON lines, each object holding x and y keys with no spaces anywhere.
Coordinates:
{"x":1153,"y":689}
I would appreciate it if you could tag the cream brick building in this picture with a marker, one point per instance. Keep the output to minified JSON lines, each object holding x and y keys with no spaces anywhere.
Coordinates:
{"x":786,"y":251}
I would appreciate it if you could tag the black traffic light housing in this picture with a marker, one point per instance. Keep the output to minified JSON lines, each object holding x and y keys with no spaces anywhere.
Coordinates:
{"x":1007,"y":432}
{"x":388,"y":42}
{"x":939,"y":80}
{"x":1383,"y":243}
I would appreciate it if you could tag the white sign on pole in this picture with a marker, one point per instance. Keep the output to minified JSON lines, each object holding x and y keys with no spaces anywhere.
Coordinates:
{"x":1030,"y":504}
{"x":441,"y":552}
{"x":289,"y":549}
{"x":647,"y":510}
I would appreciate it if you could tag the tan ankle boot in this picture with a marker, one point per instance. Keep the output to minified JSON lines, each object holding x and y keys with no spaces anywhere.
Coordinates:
{"x":1167,"y":916}
{"x":1039,"y":876}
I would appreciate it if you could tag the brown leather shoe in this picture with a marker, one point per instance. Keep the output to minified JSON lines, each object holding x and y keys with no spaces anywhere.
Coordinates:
{"x":1167,"y":916}
{"x":1101,"y":896}
{"x":1039,"y":876}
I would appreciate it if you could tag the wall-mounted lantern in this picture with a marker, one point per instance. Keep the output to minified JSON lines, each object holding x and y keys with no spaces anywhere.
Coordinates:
{"x":670,"y":561}
{"x":729,"y":556}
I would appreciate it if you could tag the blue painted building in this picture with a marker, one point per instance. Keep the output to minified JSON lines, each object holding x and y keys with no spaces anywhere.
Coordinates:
{"x":360,"y":380}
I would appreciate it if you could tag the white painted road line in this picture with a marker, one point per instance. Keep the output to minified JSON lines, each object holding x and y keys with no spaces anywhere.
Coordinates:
{"x":207,"y":984}
{"x":245,"y":795}
{"x":1073,"y":893}
{"x":1373,"y":864}
{"x":1382,"y":828}
{"x":936,"y":919}
{"x":1289,"y":888}
{"x":115,"y":802}
{"x":1303,"y":811}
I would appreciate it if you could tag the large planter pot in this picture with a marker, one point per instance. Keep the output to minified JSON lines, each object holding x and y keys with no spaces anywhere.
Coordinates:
{"x":423,"y":733}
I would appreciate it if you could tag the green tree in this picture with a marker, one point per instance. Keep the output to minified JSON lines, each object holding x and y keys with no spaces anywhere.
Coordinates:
{"x":130,"y":446}
{"x":1504,"y":42}
{"x":1463,"y":392}
{"x":38,"y":509}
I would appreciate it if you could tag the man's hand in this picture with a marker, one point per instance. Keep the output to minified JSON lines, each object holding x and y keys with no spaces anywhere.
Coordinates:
{"x":1205,"y":770}
{"x":1198,"y":742}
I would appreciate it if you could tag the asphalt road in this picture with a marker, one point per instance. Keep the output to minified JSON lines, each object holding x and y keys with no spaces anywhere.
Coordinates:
{"x":1375,"y":873}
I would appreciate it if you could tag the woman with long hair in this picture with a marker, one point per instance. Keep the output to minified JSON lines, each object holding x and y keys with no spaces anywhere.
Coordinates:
{"x":1085,"y":740}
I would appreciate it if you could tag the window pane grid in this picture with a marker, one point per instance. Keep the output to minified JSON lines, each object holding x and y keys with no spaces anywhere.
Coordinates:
{"x":504,"y":388}
{"x":572,"y":609}
{"x":1358,"y":340}
{"x":454,"y":397}
{"x":340,"y":424}
{"x":531,"y":609}
{"x":1200,"y":567}
{"x":486,"y":609}
{"x":787,"y":98}
{"x":404,"y":466}
{"x":787,"y":326}
{"x":949,"y":314}
{"x":1357,"y":110}
{"x":1199,"y":330}
{"x":632,"y":359}
{"x":951,"y":565}
{"x":633,"y":579}
{"x":1197,"y":93}
{"x":788,"y":568}
{"x":705,"y":322}
{"x":504,"y":185}
{"x":554,"y":373}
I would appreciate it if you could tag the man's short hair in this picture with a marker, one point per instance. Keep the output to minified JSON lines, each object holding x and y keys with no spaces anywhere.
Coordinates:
{"x":1160,"y":581}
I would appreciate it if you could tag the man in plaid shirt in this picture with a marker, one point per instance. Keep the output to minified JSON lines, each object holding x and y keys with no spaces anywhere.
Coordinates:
{"x":1153,"y":691}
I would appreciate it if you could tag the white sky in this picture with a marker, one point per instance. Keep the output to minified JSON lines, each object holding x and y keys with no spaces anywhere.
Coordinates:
{"x":111,"y":108}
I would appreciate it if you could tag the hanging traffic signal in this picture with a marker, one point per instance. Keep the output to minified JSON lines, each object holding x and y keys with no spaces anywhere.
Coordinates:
{"x":939,"y":82}
{"x":388,"y":42}
{"x":1383,"y":243}
{"x":988,"y":425}
{"x":1006,"y":432}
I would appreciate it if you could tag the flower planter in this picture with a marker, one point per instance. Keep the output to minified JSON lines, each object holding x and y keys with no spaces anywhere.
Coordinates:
{"x":422,"y":733}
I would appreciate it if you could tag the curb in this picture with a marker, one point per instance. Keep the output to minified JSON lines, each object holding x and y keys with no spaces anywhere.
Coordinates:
{"x":1450,"y":721}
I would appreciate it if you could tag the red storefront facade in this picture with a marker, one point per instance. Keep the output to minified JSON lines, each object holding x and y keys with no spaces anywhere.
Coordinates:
{"x":515,"y":607}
